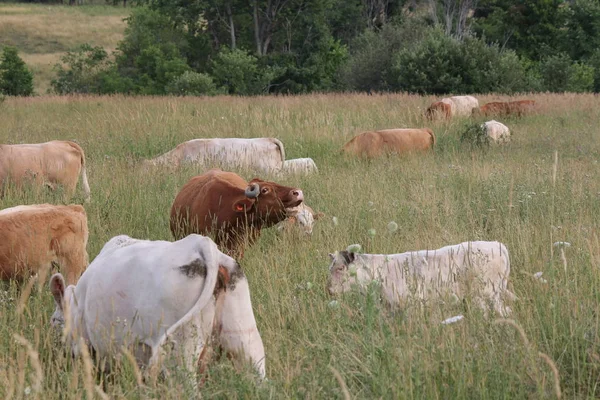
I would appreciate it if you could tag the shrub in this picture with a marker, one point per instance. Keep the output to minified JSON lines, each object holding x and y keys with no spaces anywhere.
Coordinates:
{"x":581,"y":78}
{"x":15,"y":77}
{"x":474,"y":134}
{"x":192,"y":83}
{"x":81,"y":70}
{"x":560,"y":74}
{"x":238,"y":73}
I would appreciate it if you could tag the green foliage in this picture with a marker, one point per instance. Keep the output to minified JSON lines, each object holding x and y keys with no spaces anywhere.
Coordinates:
{"x":474,"y":135}
{"x":15,"y":77}
{"x":81,"y":70}
{"x":192,"y":84}
{"x":238,"y":73}
{"x":560,"y":74}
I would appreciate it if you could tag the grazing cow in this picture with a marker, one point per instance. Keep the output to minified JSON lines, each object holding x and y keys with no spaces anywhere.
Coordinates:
{"x":377,"y":143}
{"x":457,"y":269}
{"x":143,"y":294}
{"x":35,"y":236}
{"x":455,"y":106}
{"x":302,"y":217}
{"x":506,"y":108}
{"x":233,"y":209}
{"x":496,"y":131}
{"x":259,"y":154}
{"x":299,"y":166}
{"x":50,"y":163}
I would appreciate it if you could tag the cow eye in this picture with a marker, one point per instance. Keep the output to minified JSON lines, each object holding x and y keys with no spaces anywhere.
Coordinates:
{"x":265,"y":190}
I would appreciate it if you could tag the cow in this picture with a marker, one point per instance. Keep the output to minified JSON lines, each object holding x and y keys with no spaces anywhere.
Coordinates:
{"x":50,"y":164}
{"x":496,"y":131}
{"x":150,"y":296}
{"x":506,"y":108}
{"x":258,"y":154}
{"x":455,"y":106}
{"x":33,"y":237}
{"x":478,"y":267}
{"x":299,"y":166}
{"x":224,"y":204}
{"x":302,"y":217}
{"x":376,"y":143}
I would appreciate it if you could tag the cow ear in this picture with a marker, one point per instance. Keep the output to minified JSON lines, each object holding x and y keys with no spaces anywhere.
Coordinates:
{"x":243,"y":205}
{"x":332,"y":256}
{"x":57,"y":288}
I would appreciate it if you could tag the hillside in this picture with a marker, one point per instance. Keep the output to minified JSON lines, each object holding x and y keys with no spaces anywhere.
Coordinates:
{"x":43,"y":33}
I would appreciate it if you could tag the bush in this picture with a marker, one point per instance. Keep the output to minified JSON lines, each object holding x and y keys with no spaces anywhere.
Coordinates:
{"x":474,"y":134}
{"x":15,"y":77}
{"x":581,"y":78}
{"x":560,"y":74}
{"x":81,"y":70}
{"x":192,"y":84}
{"x":238,"y":73}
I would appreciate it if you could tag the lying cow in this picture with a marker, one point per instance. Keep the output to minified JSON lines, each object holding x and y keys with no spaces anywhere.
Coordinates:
{"x":377,"y":143}
{"x":426,"y":273}
{"x":259,"y":154}
{"x":51,"y":163}
{"x":299,"y":166}
{"x":455,"y":106}
{"x":35,"y":236}
{"x":302,"y":217}
{"x":506,"y":108}
{"x":231,"y":208}
{"x":496,"y":131}
{"x":144,"y":294}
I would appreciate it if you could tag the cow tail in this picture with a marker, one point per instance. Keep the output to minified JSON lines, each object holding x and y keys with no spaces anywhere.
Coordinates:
{"x":212,"y":274}
{"x":84,"y":179}
{"x":432,"y":136}
{"x":281,"y":150}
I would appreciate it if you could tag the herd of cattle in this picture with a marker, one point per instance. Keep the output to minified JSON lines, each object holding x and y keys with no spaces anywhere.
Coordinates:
{"x":192,"y":292}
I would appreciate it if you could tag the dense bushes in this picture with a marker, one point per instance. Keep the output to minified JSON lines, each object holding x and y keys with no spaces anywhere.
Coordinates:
{"x":15,"y":78}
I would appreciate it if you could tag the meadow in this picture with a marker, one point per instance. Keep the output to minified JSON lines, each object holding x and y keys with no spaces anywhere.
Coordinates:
{"x":43,"y":33}
{"x":541,"y":188}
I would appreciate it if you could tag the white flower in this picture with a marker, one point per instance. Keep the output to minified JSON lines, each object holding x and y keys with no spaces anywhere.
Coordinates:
{"x":354,"y":248}
{"x":538,"y":276}
{"x":372,"y":232}
{"x":27,"y":391}
{"x":352,"y":270}
{"x":563,"y":244}
{"x":309,"y":285}
{"x":335,"y":220}
{"x":392,"y":227}
{"x":452,"y":320}
{"x":370,"y":204}
{"x":333,"y":304}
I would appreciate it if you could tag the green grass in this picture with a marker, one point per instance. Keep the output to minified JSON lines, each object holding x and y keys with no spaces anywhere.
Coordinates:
{"x":43,"y":33}
{"x":453,"y":194}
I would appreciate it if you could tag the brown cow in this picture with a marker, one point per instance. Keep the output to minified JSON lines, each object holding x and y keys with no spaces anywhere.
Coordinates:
{"x":225,"y":204}
{"x":374,"y":144}
{"x":50,"y":163}
{"x":505,"y":108}
{"x":35,"y":236}
{"x":439,"y":109}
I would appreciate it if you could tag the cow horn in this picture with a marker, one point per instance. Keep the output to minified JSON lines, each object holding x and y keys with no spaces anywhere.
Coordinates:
{"x":252,"y":190}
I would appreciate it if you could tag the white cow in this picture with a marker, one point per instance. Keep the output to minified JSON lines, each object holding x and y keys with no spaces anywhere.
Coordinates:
{"x":461,"y":106}
{"x":299,"y":166}
{"x":142,"y":294}
{"x":496,"y":131}
{"x":258,"y":154}
{"x":424,"y":274}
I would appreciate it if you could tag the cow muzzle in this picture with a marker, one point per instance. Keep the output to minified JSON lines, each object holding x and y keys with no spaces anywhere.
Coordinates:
{"x":297,"y":197}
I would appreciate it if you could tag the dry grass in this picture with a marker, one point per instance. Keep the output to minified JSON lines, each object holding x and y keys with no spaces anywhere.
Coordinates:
{"x":518,"y":194}
{"x":43,"y":33}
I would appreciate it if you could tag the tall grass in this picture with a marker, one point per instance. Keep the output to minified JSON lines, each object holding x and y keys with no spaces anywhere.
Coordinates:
{"x":519,"y":194}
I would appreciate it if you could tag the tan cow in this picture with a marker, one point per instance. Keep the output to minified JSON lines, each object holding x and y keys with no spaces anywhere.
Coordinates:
{"x":50,"y":163}
{"x":377,"y":143}
{"x":33,"y":237}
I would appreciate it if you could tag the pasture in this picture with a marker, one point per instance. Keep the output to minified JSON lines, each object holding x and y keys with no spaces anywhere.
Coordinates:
{"x":520,"y":194}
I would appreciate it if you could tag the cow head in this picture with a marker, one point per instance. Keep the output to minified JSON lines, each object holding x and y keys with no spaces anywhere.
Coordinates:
{"x":61,"y":318}
{"x":345,"y":271}
{"x":273,"y":199}
{"x":437,"y":110}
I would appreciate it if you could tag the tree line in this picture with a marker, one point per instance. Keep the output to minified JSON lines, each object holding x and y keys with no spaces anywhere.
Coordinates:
{"x":207,"y":47}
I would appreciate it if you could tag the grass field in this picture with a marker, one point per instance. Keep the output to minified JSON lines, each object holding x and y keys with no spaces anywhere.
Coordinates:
{"x":43,"y":33}
{"x":519,"y":194}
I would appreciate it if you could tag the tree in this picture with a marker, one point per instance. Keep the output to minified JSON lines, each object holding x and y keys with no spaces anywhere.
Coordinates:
{"x":15,"y":77}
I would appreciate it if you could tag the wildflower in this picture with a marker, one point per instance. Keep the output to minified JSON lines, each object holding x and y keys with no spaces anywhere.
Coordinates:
{"x":352,"y":270}
{"x":562,"y":244}
{"x":370,"y":204}
{"x":538,"y":276}
{"x":452,"y":320}
{"x":354,"y":248}
{"x":392,"y":227}
{"x":333,"y":304}
{"x":27,"y":391}
{"x":335,"y":221}
{"x":372,"y":232}
{"x":308,"y":285}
